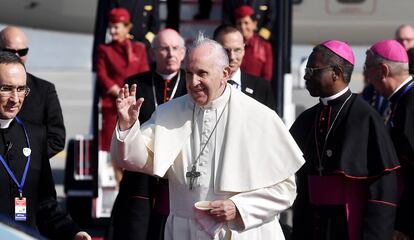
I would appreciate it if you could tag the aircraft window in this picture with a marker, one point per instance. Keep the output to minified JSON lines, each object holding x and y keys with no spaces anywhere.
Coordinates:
{"x":351,"y":1}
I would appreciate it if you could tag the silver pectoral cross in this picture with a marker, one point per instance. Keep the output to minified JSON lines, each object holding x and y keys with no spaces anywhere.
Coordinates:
{"x":193,"y":174}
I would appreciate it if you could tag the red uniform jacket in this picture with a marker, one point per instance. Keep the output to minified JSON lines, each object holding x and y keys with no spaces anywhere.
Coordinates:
{"x":258,"y":58}
{"x":114,"y":63}
{"x":117,"y":61}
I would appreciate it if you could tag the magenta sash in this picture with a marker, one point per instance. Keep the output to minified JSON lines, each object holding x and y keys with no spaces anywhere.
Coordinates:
{"x":341,"y":190}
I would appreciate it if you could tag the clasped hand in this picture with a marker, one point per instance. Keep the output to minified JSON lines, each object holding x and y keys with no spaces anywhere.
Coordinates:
{"x":128,"y":107}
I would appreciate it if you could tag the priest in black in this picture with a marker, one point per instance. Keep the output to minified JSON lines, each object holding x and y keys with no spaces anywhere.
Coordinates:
{"x":27,"y":190}
{"x":348,"y":187}
{"x":387,"y":70}
{"x":43,"y":98}
{"x":142,"y":205}
{"x":256,"y":87}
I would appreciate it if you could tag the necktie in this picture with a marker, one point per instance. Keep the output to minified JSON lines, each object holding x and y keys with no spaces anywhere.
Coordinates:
{"x":233,"y":83}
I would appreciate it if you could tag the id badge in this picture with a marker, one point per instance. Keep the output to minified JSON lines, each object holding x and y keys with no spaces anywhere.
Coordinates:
{"x":20,"y":209}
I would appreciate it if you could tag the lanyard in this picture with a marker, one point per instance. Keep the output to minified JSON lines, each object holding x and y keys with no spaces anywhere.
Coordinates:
{"x":407,"y":88}
{"x":9,"y":171}
{"x":173,"y":92}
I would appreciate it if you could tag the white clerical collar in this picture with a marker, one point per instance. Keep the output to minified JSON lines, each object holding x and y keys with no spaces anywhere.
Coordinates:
{"x":236,"y":77}
{"x":5,"y":123}
{"x":168,"y":76}
{"x":220,"y":101}
{"x":335,"y":96}
{"x":401,"y":85}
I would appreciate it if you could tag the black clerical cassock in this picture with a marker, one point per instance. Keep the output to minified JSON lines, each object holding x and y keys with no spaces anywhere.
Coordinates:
{"x":347,"y":188}
{"x":21,"y":145}
{"x":401,"y":125}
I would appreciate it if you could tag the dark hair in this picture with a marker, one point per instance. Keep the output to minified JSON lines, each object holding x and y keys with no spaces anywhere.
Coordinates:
{"x":10,"y":58}
{"x":339,"y":63}
{"x":224,"y":29}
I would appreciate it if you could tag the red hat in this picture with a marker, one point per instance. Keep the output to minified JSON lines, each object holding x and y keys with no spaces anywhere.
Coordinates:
{"x":390,"y":50}
{"x":243,"y":11}
{"x":118,"y":15}
{"x":341,"y":49}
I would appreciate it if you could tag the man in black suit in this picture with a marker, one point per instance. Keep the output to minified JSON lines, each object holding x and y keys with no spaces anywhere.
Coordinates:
{"x":256,"y":87}
{"x":27,"y":190}
{"x":133,"y":214}
{"x":43,"y":98}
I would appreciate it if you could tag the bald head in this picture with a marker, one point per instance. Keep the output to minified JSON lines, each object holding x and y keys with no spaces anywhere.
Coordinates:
{"x":168,"y":51}
{"x":13,"y":38}
{"x":405,"y":35}
{"x":165,"y":35}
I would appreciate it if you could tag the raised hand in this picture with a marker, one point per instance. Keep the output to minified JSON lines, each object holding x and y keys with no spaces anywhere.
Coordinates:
{"x":128,"y":107}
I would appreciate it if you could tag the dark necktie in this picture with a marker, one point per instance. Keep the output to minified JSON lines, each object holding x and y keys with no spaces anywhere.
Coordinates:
{"x":233,"y":83}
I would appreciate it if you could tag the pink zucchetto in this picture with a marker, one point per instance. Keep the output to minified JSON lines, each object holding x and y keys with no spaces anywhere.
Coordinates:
{"x":341,"y":49}
{"x":390,"y":50}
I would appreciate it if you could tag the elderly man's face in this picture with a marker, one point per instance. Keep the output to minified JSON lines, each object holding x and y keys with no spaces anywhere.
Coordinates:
{"x":12,"y":89}
{"x":206,"y":79}
{"x":168,"y":52}
{"x":406,"y":37}
{"x":318,"y":76}
{"x":234,"y":45}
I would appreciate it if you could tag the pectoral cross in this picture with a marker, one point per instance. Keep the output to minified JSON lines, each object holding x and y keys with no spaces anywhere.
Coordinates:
{"x":193,"y":174}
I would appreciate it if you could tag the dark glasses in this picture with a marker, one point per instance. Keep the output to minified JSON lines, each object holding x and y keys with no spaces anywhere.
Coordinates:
{"x":310,"y":71}
{"x":20,"y":52}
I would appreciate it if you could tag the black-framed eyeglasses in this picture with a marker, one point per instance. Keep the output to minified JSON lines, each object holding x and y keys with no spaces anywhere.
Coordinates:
{"x":8,"y":90}
{"x":310,"y":71}
{"x":21,"y":52}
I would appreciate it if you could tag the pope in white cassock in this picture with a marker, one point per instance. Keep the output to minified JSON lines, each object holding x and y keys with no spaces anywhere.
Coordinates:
{"x":213,"y":144}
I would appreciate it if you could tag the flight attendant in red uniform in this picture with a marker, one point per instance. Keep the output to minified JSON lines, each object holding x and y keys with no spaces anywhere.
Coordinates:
{"x":258,"y":57}
{"x":116,"y":61}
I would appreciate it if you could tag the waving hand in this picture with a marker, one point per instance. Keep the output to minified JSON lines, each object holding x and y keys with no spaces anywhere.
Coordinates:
{"x":128,"y":107}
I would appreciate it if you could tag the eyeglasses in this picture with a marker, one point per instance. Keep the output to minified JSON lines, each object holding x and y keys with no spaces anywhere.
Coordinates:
{"x":8,"y":90}
{"x":21,"y":52}
{"x":310,"y":71}
{"x":405,"y":39}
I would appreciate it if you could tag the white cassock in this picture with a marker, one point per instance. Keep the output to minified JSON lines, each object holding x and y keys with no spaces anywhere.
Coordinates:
{"x":250,"y":158}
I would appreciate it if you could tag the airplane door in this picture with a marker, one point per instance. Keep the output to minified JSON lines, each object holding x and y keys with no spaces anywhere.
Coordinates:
{"x":357,"y":7}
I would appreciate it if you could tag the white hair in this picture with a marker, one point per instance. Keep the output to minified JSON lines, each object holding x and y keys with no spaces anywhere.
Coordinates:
{"x":222,"y":58}
{"x":395,"y":67}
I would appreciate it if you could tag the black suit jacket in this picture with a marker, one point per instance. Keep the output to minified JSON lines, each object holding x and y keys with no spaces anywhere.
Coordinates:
{"x":43,"y":211}
{"x":42,"y":107}
{"x":258,"y":88}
